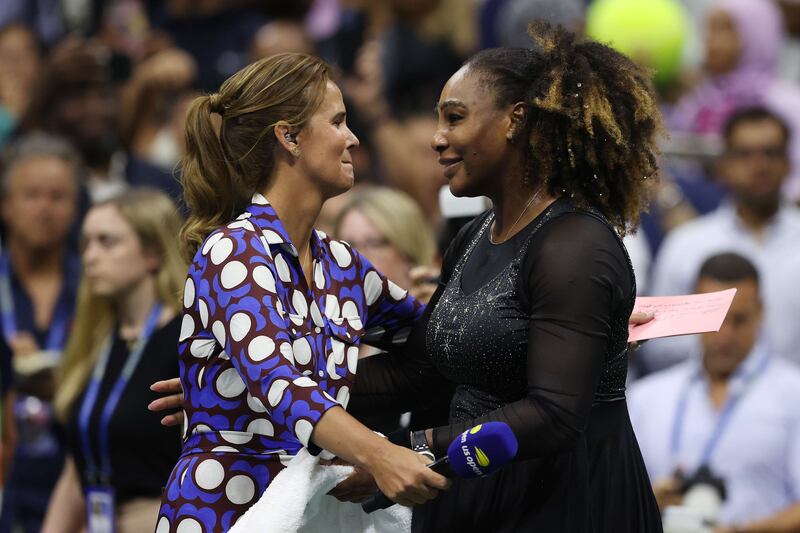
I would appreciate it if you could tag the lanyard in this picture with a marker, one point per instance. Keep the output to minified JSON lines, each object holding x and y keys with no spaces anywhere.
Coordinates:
{"x":723,"y":419}
{"x":93,"y":389}
{"x":58,"y":326}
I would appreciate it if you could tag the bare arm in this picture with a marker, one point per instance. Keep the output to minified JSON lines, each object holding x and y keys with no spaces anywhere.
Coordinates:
{"x":66,"y":510}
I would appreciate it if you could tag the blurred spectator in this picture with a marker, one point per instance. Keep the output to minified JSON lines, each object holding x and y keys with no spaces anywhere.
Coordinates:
{"x":20,"y":67}
{"x":280,"y":36}
{"x":389,"y":229}
{"x":76,"y":99}
{"x":38,"y":285}
{"x":126,"y":332}
{"x":755,"y":222}
{"x":425,"y":43}
{"x":43,"y":16}
{"x":735,"y":411}
{"x":217,"y":33}
{"x":743,"y":41}
{"x":154,"y":104}
{"x":513,"y":17}
{"x":400,"y":134}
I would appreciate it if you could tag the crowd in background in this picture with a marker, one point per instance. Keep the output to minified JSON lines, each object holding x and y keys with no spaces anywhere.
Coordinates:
{"x":93,"y":96}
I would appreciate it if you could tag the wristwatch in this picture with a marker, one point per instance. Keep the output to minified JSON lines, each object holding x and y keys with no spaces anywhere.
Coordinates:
{"x":419,"y":444}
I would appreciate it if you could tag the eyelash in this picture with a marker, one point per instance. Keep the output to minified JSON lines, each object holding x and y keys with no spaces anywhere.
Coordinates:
{"x":452,"y":117}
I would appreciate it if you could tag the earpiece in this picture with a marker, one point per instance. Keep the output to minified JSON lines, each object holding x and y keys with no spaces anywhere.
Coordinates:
{"x":290,"y":137}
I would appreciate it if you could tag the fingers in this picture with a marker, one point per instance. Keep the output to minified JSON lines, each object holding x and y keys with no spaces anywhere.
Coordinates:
{"x":174,"y":401}
{"x":168,"y":386}
{"x":437,"y":481}
{"x":424,"y":274}
{"x":172,"y":420}
{"x":641,"y":317}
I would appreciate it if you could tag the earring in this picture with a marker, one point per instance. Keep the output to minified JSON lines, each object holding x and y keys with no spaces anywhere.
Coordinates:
{"x":296,"y":151}
{"x":510,"y":135}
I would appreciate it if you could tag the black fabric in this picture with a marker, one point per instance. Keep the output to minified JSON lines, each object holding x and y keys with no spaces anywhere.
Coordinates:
{"x":533,"y":333}
{"x":143,"y":451}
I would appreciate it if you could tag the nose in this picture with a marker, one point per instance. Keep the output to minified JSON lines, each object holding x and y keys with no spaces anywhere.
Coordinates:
{"x":352,"y":140}
{"x":89,"y":252}
{"x":439,"y":142}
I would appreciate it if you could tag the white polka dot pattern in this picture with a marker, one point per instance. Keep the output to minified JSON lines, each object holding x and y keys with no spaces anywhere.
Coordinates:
{"x":209,"y":474}
{"x":229,"y":383}
{"x":261,"y":426}
{"x":233,"y":274}
{"x":260,"y":348}
{"x":188,"y":293}
{"x":240,"y":490}
{"x":187,"y":327}
{"x":163,"y":525}
{"x":303,"y":430}
{"x":341,"y":254}
{"x":221,"y":251}
{"x":189,"y":525}
{"x":251,"y":327}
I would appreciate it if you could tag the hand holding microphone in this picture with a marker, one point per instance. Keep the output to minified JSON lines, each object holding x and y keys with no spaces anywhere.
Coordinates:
{"x":477,"y":452}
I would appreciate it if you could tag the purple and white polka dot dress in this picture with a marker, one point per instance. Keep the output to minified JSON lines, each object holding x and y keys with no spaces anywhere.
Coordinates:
{"x":263,"y":356}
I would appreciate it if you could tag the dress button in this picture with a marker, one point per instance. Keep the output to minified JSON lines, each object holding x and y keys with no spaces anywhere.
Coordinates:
{"x":321,"y":373}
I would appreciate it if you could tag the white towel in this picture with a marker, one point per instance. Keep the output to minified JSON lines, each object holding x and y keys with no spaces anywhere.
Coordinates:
{"x":297,"y":502}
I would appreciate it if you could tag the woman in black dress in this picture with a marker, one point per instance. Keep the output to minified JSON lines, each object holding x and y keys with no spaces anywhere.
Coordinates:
{"x":530,"y":318}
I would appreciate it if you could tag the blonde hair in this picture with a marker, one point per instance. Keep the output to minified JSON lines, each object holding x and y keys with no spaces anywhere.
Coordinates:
{"x":398,"y":217}
{"x":156,"y":222}
{"x":220,"y":173}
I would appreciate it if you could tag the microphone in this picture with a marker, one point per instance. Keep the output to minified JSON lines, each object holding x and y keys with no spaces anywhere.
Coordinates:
{"x":477,"y":452}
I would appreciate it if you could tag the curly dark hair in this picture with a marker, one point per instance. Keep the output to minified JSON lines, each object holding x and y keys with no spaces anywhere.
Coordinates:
{"x":592,"y":119}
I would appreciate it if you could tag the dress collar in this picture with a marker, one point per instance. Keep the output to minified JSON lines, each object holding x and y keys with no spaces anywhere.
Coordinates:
{"x":261,"y":213}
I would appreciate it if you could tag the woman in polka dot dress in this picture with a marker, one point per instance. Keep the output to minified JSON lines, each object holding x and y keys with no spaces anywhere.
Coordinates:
{"x":274,"y":312}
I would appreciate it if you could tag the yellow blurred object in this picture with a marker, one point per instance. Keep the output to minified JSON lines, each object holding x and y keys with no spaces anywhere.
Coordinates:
{"x":652,"y":32}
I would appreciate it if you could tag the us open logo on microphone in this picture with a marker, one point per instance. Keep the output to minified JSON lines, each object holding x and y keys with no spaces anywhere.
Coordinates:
{"x":475,"y":457}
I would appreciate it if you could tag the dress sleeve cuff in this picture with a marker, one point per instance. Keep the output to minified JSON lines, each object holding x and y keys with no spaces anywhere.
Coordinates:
{"x":309,"y":404}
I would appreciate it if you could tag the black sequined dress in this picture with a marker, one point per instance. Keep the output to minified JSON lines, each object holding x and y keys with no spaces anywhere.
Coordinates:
{"x":532,"y":332}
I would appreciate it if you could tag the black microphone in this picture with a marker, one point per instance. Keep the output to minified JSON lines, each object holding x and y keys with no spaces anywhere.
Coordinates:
{"x":477,"y":452}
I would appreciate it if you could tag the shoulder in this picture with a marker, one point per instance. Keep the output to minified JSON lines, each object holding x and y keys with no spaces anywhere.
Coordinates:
{"x":573,"y":240}
{"x":784,"y":374}
{"x":791,"y":214}
{"x":700,"y":228}
{"x":239,"y":238}
{"x":340,"y":252}
{"x":579,"y":227}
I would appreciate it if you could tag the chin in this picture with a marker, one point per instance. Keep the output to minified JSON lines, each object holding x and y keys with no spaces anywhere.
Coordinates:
{"x":461,"y":189}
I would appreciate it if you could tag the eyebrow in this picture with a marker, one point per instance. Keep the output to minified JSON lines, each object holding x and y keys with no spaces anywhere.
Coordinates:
{"x":448,"y":103}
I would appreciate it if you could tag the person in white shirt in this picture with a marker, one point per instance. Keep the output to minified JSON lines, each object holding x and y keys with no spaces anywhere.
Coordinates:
{"x":736,"y":411}
{"x":755,"y":222}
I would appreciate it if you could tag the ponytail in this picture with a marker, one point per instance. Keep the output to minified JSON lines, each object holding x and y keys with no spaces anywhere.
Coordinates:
{"x":207,"y":178}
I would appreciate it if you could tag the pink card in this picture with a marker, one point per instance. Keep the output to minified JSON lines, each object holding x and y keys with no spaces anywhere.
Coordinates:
{"x":681,"y":315}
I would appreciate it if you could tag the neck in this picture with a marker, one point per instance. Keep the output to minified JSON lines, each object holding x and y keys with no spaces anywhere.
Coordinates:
{"x":718,"y":391}
{"x":514,"y":210}
{"x":133,"y":307}
{"x":756,"y":219}
{"x":29,"y":262}
{"x":717,"y":386}
{"x":298,"y":207}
